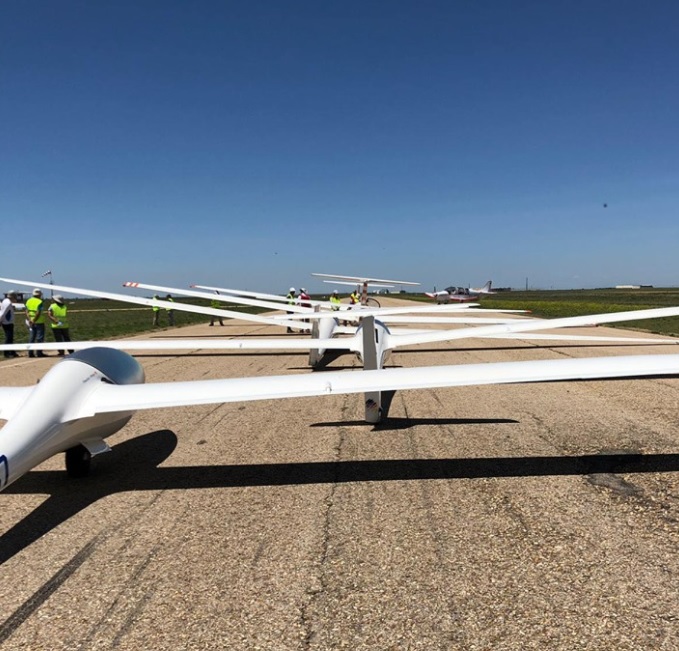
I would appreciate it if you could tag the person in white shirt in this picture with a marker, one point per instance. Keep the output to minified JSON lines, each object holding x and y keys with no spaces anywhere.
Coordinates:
{"x":7,"y":320}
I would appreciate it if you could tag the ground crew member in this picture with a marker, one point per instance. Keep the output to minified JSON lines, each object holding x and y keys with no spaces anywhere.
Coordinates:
{"x":59,"y":321}
{"x":215,"y":305}
{"x":7,"y":320}
{"x":292,"y":300}
{"x":304,"y":300}
{"x":35,"y":320}
{"x":335,"y":300}
{"x":170,"y":311}
{"x":354,"y":299}
{"x":156,"y":312}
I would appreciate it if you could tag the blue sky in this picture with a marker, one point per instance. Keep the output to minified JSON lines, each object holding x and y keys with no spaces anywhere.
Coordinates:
{"x":250,"y":143}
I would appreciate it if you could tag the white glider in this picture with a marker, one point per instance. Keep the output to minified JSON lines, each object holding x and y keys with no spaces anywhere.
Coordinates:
{"x":302,"y":312}
{"x":92,"y":394}
{"x":225,"y":298}
{"x":242,"y":292}
{"x":374,"y":341}
{"x":363,"y":282}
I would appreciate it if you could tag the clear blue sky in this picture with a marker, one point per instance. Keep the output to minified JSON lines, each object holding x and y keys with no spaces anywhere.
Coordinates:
{"x":249,"y":143}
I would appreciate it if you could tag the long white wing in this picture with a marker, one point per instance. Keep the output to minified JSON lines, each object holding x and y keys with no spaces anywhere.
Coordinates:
{"x":355,"y":312}
{"x":534,"y":336}
{"x":443,"y":320}
{"x":346,"y":343}
{"x":260,"y":295}
{"x":225,"y":298}
{"x":365,"y":279}
{"x":532,"y":325}
{"x":112,"y":398}
{"x":347,"y":282}
{"x":243,"y":292}
{"x":150,"y":302}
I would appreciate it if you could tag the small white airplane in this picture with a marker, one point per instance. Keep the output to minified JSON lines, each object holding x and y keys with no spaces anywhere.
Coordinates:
{"x":460,"y":294}
{"x":91,"y":394}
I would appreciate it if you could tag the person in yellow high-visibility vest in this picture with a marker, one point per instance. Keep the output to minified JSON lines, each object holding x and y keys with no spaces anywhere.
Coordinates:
{"x":169,"y":310}
{"x":35,"y":320}
{"x":216,"y":305}
{"x":156,"y":312}
{"x":335,"y":300}
{"x":292,"y":300}
{"x":57,"y":314}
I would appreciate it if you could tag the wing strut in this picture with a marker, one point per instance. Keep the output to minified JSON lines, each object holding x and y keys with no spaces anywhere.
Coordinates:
{"x":376,"y":402}
{"x":315,"y":353}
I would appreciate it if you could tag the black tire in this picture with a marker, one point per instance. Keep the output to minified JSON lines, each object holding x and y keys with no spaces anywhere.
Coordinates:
{"x":78,"y":461}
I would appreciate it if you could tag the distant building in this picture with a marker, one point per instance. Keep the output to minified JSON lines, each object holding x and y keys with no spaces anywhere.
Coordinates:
{"x":633,"y":286}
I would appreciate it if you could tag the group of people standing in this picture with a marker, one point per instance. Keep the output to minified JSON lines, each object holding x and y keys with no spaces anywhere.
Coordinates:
{"x":37,"y":317}
{"x":168,"y":310}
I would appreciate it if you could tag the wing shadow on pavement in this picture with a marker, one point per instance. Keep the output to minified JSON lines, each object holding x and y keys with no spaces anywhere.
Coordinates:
{"x":133,"y":466}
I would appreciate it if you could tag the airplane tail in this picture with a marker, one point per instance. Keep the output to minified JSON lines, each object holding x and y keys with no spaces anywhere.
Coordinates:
{"x":486,"y":289}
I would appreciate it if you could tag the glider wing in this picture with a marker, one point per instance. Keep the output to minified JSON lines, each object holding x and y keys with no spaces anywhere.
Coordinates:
{"x":114,"y":398}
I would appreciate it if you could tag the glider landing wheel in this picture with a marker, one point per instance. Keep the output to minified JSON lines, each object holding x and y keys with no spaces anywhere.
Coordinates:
{"x":373,"y":302}
{"x":78,"y":461}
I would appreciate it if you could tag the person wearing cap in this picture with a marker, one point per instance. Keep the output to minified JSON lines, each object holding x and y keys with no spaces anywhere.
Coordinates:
{"x":57,"y":314}
{"x":35,"y":320}
{"x":7,"y":320}
{"x":292,"y":299}
{"x":335,"y":300}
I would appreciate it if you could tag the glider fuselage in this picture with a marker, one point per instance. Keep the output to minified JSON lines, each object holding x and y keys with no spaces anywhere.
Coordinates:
{"x":51,"y":418}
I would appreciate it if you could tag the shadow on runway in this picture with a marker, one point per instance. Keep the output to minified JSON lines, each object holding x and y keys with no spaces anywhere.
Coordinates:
{"x":133,"y":466}
{"x":393,"y":424}
{"x":111,"y":473}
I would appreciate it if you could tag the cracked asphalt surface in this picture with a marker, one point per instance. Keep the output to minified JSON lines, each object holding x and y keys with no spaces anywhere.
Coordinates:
{"x":508,"y":517}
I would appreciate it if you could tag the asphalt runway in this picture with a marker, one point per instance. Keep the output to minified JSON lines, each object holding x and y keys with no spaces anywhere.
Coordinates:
{"x":501,"y":517}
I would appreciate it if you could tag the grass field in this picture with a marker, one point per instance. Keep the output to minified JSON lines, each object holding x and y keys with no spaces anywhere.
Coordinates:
{"x":92,"y":319}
